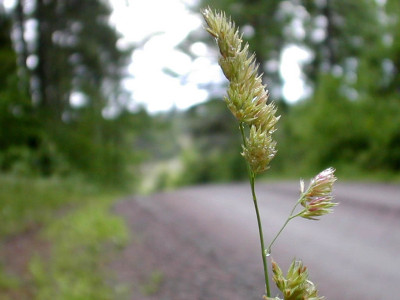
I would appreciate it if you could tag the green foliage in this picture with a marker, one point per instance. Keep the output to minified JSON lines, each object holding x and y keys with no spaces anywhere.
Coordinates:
{"x":214,"y":166}
{"x":7,"y":54}
{"x":27,"y":202}
{"x":157,"y":137}
{"x":213,"y":153}
{"x":329,"y":129}
{"x":75,"y":220}
{"x":353,"y":29}
{"x":74,"y":270}
{"x":43,"y":132}
{"x":153,"y":285}
{"x":20,"y":128}
{"x":350,"y":118}
{"x":8,"y":282}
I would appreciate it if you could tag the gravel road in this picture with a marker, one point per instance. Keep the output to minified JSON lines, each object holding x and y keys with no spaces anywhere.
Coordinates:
{"x":204,"y":242}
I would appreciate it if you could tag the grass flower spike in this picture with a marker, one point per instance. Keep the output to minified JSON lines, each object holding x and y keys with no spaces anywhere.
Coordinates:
{"x":247,"y":96}
{"x":247,"y":100}
{"x":259,"y":150}
{"x":317,"y":199}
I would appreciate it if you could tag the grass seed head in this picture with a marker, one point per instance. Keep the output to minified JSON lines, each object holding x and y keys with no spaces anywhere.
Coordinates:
{"x":296,"y":285}
{"x":246,"y":96}
{"x":317,"y":200}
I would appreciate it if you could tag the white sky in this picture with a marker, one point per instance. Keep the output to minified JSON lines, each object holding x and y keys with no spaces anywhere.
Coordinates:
{"x":155,"y":28}
{"x":170,"y":21}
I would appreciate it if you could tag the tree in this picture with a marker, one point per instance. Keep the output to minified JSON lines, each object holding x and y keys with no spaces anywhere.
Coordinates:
{"x":211,"y":153}
{"x":76,"y":51}
{"x":341,"y":36}
{"x":353,"y":72}
{"x":20,"y":129}
{"x":75,"y":69}
{"x":392,"y":38}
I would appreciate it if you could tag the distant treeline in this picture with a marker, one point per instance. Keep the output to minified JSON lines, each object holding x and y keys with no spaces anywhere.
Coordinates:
{"x":350,"y":120}
{"x":63,"y":110}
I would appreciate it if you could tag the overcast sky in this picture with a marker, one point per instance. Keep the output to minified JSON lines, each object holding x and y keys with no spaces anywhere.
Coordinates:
{"x":155,"y":28}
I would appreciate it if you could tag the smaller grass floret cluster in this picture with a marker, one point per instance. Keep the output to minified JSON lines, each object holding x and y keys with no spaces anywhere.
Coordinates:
{"x":317,"y":199}
{"x":295,"y":285}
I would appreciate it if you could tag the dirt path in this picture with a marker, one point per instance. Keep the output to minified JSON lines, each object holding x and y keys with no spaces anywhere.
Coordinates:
{"x":204,"y":241}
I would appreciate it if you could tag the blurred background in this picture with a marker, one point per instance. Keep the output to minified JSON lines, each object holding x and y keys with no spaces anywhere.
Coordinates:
{"x":101,"y":98}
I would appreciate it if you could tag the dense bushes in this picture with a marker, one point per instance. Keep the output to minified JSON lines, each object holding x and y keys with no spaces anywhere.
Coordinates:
{"x":330,"y":129}
{"x":359,"y":137}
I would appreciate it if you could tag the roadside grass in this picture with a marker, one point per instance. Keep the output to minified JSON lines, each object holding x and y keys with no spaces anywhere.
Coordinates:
{"x":31,"y":202}
{"x":80,"y":242}
{"x":8,"y":282}
{"x":153,"y":283}
{"x":76,"y":221}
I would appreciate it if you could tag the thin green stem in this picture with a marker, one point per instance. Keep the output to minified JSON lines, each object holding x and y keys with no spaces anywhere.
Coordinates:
{"x":260,"y":231}
{"x":277,"y":235}
{"x":291,"y":216}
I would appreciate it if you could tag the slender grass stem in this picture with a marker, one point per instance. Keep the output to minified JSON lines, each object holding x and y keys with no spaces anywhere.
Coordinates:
{"x":291,"y":216}
{"x":260,"y":231}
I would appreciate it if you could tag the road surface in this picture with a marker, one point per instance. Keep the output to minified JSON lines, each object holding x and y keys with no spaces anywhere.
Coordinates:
{"x":202,"y":242}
